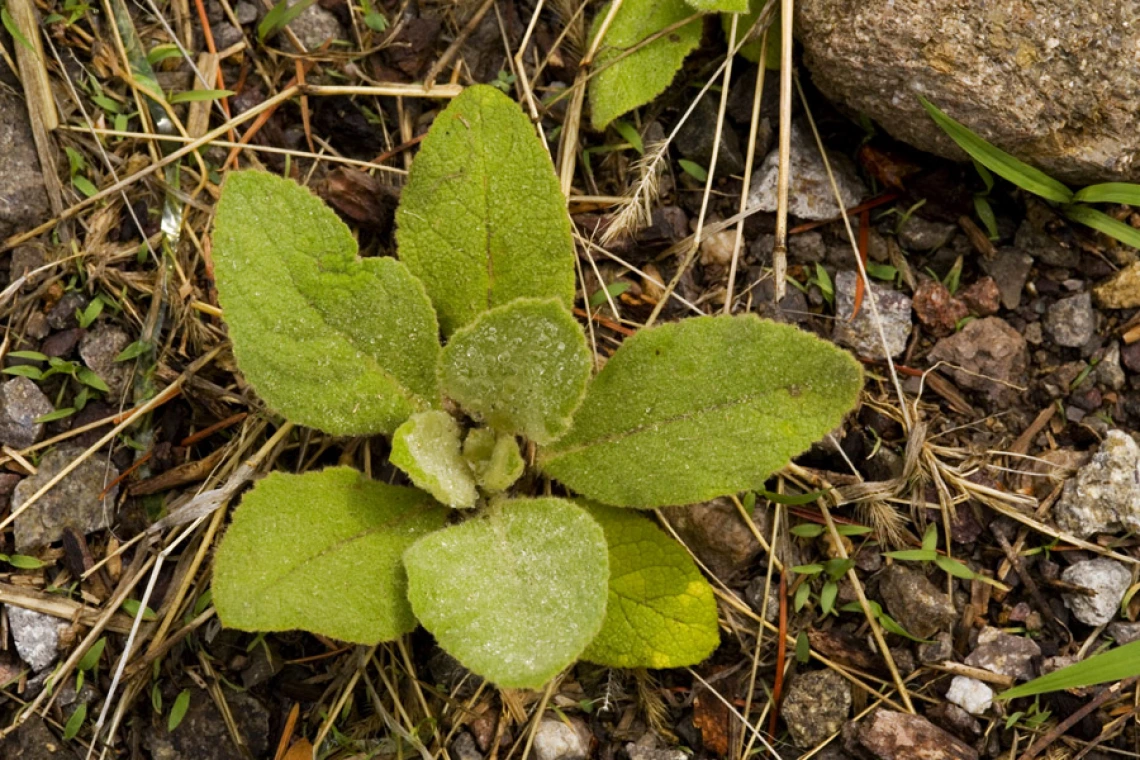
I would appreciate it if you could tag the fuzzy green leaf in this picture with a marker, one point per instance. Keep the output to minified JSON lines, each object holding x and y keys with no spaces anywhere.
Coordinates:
{"x":521,"y":368}
{"x":701,"y":408}
{"x":329,"y":340}
{"x":514,"y":596}
{"x":482,"y":220}
{"x":494,"y":458}
{"x":719,"y":6}
{"x":1113,"y":665}
{"x":427,"y":448}
{"x":619,"y":86}
{"x":322,"y":552}
{"x":661,"y":611}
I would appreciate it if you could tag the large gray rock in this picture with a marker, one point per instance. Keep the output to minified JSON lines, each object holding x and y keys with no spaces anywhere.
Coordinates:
{"x":1104,"y":496}
{"x":23,"y":200}
{"x":1050,"y":82}
{"x":73,"y":503}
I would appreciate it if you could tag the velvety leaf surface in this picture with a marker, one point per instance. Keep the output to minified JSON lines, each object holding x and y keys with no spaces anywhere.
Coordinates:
{"x":494,"y":458}
{"x":719,"y":6}
{"x":427,"y":447}
{"x":701,"y":408}
{"x":521,"y":368}
{"x":661,"y":611}
{"x":517,"y":595}
{"x":622,"y":85}
{"x":332,"y":341}
{"x":482,"y":220}
{"x":322,"y":552}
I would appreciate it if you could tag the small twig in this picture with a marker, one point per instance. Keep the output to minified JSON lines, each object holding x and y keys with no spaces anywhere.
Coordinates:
{"x":468,"y":28}
{"x":1060,"y":729}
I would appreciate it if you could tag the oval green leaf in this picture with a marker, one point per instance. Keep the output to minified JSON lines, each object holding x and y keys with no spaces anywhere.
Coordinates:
{"x":178,"y":710}
{"x":482,"y":220}
{"x":428,"y":448}
{"x":622,"y":81}
{"x":515,"y":596}
{"x":701,"y":408}
{"x":322,"y":552}
{"x":998,"y":161}
{"x":521,"y":368}
{"x":332,"y":341}
{"x":661,"y":611}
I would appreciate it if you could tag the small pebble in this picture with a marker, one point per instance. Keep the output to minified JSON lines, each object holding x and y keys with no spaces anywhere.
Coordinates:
{"x":1108,"y":578}
{"x":970,"y":694}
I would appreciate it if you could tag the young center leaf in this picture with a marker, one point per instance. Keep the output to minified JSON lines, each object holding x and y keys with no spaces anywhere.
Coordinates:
{"x":661,"y":611}
{"x":482,"y":220}
{"x":701,"y":408}
{"x":521,"y":368}
{"x":332,"y":341}
{"x":428,"y":448}
{"x":623,"y":80}
{"x":322,"y":552}
{"x":494,"y":458}
{"x":517,"y":595}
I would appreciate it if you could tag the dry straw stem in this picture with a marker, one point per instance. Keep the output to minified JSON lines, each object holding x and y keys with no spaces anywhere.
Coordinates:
{"x":393,"y":90}
{"x":749,"y":159}
{"x":908,"y":422}
{"x":780,"y":247}
{"x":876,"y":630}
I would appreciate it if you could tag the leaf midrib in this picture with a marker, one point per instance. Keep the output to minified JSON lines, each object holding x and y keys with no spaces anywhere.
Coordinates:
{"x":402,"y":389}
{"x":550,"y":456}
{"x":410,"y":512}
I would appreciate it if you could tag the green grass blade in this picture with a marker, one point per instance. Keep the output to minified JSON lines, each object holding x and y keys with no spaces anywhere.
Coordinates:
{"x":1113,"y":665}
{"x":998,"y":161}
{"x":1110,"y":192}
{"x":1102,"y":222}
